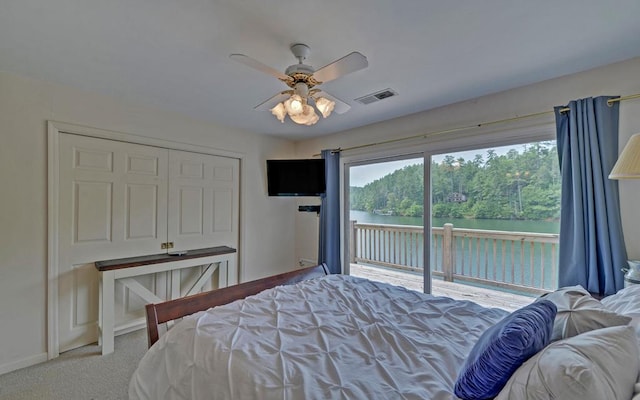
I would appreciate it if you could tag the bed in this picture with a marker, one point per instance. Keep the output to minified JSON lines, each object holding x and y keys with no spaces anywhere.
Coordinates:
{"x":308,"y":335}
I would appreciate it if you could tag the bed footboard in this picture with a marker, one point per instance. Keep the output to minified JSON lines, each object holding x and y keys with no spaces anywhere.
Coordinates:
{"x":161,"y":313}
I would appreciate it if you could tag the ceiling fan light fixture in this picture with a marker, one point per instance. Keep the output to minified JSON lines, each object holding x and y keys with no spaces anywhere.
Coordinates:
{"x":301,"y":89}
{"x":325,"y":106}
{"x":279,"y":112}
{"x":302,"y":79}
{"x":294,"y":105}
{"x":300,"y":111}
{"x":307,"y":117}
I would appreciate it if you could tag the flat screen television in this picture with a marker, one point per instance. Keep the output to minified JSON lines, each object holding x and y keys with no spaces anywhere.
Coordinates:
{"x":296,"y":177}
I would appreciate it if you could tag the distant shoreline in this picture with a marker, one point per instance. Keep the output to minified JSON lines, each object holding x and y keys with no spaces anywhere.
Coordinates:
{"x":486,"y":224}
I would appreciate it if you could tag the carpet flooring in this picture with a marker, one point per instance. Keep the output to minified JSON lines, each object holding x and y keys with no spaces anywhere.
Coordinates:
{"x":80,"y":374}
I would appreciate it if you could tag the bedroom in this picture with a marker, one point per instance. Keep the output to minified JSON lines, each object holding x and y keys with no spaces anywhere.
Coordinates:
{"x":28,"y":100}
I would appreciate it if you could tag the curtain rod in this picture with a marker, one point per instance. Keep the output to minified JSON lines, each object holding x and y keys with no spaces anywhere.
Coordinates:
{"x":462,"y":128}
{"x":610,"y":101}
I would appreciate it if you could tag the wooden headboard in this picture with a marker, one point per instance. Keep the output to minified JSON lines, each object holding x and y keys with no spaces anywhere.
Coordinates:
{"x":173,"y":309}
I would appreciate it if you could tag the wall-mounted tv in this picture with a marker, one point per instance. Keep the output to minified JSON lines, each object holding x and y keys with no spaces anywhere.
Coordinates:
{"x":296,"y":177}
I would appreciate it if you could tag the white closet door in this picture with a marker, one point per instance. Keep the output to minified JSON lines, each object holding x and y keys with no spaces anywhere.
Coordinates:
{"x":203,"y":200}
{"x":113,"y":204}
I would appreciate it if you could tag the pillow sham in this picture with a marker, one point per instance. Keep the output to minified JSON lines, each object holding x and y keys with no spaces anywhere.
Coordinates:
{"x":600,"y":364}
{"x":501,"y":349}
{"x":579,"y":312}
{"x":626,"y":301}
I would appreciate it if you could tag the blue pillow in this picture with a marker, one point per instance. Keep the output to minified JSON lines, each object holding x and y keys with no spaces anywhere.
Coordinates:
{"x":503,"y":348}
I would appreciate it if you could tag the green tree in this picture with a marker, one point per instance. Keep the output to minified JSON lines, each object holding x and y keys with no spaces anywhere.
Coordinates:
{"x":515,"y":185}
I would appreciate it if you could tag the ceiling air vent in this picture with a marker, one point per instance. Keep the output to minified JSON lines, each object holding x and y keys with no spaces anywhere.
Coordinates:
{"x":377,"y":96}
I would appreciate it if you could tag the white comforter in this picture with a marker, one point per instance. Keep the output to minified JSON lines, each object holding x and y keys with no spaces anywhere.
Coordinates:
{"x":336,"y":337}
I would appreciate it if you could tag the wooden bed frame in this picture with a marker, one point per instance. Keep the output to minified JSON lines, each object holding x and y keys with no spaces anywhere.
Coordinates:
{"x":161,"y":313}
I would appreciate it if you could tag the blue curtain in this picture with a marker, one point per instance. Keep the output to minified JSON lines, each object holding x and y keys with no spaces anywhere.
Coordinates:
{"x":592,"y":250}
{"x":329,"y":246}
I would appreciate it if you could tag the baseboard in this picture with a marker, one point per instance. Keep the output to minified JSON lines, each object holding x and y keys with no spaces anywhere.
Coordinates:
{"x":25,"y":362}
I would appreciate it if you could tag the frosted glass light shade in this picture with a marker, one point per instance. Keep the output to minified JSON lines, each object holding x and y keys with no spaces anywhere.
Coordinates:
{"x":300,"y":112}
{"x":307,"y":117}
{"x":314,"y":117}
{"x":325,"y":106}
{"x":294,"y":105}
{"x":279,"y":111}
{"x":628,"y":164}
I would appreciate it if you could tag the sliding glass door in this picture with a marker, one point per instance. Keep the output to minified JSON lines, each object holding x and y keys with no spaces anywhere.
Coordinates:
{"x":385,"y":209}
{"x":485,"y":219}
{"x":495,"y":213}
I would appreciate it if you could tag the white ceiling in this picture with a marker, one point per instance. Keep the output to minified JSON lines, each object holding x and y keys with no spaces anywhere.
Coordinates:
{"x":174,"y":54}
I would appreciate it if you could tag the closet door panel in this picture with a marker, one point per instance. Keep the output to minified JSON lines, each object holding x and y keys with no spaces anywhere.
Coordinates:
{"x":112,"y":204}
{"x":120,"y":200}
{"x":141,"y":212}
{"x":203,"y":200}
{"x":113,"y":198}
{"x":222,"y":219}
{"x":191,"y":211}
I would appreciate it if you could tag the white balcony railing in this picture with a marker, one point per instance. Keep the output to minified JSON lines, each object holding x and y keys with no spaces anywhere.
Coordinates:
{"x":520,"y":261}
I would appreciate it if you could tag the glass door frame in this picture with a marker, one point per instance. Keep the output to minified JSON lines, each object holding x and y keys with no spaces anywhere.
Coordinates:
{"x":346,"y":163}
{"x":510,"y":134}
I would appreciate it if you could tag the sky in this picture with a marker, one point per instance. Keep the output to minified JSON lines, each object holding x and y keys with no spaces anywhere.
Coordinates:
{"x":363,"y":174}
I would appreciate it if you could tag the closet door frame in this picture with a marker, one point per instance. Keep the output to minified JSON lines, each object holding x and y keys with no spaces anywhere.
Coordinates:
{"x":54,"y":130}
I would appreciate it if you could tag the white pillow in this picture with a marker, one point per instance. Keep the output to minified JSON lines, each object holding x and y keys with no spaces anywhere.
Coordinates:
{"x":597,"y":365}
{"x":578,"y":313}
{"x":626,"y":301}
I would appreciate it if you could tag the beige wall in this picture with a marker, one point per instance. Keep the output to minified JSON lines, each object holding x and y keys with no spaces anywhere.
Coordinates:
{"x":272,"y":229}
{"x":267,"y":224}
{"x":616,"y":79}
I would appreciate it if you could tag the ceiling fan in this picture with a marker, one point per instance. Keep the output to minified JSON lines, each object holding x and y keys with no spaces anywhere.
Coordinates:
{"x":303,"y":81}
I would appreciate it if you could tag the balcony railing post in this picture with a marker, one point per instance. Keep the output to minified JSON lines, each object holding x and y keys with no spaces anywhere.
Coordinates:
{"x":353,"y":241}
{"x":447,"y":252}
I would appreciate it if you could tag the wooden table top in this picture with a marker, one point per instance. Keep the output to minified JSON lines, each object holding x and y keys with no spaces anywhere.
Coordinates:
{"x":108,"y":265}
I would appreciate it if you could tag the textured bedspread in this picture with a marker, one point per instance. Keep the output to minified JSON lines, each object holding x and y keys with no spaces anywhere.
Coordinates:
{"x":336,"y":337}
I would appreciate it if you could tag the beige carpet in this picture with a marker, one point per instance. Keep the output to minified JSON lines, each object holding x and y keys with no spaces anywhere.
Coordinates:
{"x":82,"y":374}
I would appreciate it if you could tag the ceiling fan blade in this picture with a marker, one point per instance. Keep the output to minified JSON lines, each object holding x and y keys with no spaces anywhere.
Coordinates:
{"x":273,"y":101}
{"x":350,"y":63}
{"x":341,"y":107}
{"x":250,"y":62}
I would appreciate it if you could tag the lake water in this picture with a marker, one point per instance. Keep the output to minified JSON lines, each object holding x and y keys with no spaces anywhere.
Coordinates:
{"x":486,"y":224}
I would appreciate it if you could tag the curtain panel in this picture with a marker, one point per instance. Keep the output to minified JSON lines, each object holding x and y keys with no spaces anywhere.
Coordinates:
{"x":592,"y":251}
{"x":329,"y":244}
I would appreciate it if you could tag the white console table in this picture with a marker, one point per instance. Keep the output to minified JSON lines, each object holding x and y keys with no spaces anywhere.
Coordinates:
{"x":123,"y":270}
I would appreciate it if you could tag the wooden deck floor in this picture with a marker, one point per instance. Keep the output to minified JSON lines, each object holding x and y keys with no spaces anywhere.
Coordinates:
{"x":458,"y":291}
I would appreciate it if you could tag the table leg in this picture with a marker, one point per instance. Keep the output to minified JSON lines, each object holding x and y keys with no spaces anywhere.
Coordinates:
{"x":108,"y":318}
{"x":223,"y":274}
{"x":175,"y":284}
{"x":100,"y":301}
{"x":232,"y":271}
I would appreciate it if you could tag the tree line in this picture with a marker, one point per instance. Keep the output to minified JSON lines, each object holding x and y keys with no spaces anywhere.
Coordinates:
{"x":515,"y":185}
